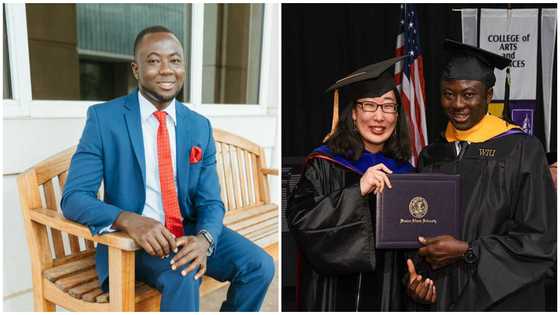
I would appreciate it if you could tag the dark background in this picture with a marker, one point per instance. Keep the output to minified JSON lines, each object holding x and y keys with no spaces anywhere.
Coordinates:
{"x":321,"y":43}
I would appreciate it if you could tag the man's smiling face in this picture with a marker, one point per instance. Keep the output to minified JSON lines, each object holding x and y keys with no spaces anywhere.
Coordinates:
{"x":465,"y":102}
{"x":159,"y":67}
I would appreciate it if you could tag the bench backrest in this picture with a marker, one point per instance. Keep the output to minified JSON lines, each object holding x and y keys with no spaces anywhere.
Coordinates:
{"x":239,"y":165}
{"x":41,"y":187}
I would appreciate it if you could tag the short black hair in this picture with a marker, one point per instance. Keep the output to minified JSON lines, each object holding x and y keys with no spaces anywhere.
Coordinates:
{"x":149,"y":30}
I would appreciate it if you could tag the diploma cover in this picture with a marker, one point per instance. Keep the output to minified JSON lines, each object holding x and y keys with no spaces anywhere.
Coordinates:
{"x":424,"y":204}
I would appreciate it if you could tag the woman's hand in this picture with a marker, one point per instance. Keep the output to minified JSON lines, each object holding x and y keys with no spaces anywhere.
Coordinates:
{"x":375,"y":179}
{"x":420,"y":291}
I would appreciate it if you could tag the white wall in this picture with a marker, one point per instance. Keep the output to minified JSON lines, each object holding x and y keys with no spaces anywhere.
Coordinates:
{"x":28,"y":140}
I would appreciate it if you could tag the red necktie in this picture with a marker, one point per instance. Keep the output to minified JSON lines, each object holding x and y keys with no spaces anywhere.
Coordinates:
{"x":173,"y":219}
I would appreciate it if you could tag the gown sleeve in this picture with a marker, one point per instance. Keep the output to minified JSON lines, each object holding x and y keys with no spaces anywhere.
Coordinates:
{"x":331,"y":221}
{"x":525,"y":249}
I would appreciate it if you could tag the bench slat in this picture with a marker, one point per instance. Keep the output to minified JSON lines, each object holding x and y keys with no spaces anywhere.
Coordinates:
{"x":144,"y":291}
{"x":82,"y":289}
{"x":89,"y":244}
{"x":234,"y":216}
{"x":71,"y":258}
{"x":74,"y":244}
{"x":242,"y":177}
{"x":220,"y":170}
{"x":51,"y":202}
{"x":225,"y":137}
{"x":58,"y":272}
{"x":262,"y":224}
{"x":261,"y":233}
{"x":82,"y":277}
{"x":255,"y":183}
{"x":53,"y":166}
{"x":228,"y":173}
{"x":252,"y":221}
{"x":91,"y":296}
{"x":236,"y":176}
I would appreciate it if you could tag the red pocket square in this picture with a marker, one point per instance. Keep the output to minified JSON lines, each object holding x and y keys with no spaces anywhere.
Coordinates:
{"x":196,"y":155}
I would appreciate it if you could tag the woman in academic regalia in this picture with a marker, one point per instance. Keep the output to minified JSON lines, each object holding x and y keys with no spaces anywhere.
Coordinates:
{"x":331,"y":212}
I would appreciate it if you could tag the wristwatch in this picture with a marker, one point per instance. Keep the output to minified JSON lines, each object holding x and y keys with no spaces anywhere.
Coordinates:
{"x":208,"y":237}
{"x":469,"y":256}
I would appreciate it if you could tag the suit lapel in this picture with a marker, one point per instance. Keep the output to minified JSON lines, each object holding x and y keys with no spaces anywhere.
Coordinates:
{"x":134,"y":126}
{"x":183,"y":146}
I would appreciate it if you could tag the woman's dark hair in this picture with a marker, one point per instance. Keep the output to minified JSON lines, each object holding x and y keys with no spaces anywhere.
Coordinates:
{"x":347,"y":141}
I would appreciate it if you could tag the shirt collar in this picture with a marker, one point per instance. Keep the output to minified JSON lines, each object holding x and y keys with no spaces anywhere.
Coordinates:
{"x":147,"y":109}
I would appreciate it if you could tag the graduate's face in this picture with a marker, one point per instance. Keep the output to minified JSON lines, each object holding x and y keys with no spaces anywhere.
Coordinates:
{"x":465,"y":102}
{"x":159,"y":67}
{"x":375,"y":127}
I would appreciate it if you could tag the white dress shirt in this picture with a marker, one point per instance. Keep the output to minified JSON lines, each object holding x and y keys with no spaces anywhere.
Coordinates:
{"x":458,"y":147}
{"x":153,"y":208}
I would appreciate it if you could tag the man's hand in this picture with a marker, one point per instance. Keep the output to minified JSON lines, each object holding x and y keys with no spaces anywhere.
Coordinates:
{"x":194,"y":250}
{"x":150,"y":234}
{"x":442,"y":250}
{"x":420,"y":291}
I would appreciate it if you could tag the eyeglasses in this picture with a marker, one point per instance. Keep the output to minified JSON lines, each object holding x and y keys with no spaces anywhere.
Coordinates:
{"x":370,"y":107}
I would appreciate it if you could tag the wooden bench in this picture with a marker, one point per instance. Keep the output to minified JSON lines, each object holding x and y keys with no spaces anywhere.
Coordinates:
{"x":63,"y":252}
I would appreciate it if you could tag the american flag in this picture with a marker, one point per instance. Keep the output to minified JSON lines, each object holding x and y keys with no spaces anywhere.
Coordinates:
{"x":409,"y":77}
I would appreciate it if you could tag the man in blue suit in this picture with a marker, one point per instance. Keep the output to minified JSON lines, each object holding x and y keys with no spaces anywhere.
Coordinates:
{"x":153,"y":154}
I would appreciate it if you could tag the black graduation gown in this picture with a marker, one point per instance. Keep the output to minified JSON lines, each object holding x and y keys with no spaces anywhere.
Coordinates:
{"x":509,"y":206}
{"x":334,"y":228}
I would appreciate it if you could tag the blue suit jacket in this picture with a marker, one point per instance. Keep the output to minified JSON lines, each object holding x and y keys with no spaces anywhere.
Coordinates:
{"x":112,"y":149}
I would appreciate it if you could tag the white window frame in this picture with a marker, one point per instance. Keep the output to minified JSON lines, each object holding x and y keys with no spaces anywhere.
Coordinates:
{"x":20,"y":71}
{"x":22,"y":105}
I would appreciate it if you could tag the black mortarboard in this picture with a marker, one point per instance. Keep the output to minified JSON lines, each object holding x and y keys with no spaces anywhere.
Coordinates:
{"x":369,"y":81}
{"x":472,"y":63}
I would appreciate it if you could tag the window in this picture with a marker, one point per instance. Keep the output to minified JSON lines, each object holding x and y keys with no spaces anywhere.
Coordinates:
{"x":232,"y":53}
{"x":83,"y":51}
{"x":6,"y":69}
{"x":66,"y":56}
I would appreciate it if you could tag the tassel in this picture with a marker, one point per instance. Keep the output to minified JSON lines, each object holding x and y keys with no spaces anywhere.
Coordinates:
{"x":334,"y":116}
{"x":506,"y":111}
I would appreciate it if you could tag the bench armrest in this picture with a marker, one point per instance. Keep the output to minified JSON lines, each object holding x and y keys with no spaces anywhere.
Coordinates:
{"x":269,"y":171}
{"x":55,"y":220}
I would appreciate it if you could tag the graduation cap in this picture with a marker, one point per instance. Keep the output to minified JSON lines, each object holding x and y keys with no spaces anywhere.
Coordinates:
{"x":370,"y":81}
{"x":472,"y":63}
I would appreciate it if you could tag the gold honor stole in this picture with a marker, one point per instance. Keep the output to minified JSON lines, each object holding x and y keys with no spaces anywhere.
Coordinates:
{"x":488,"y":128}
